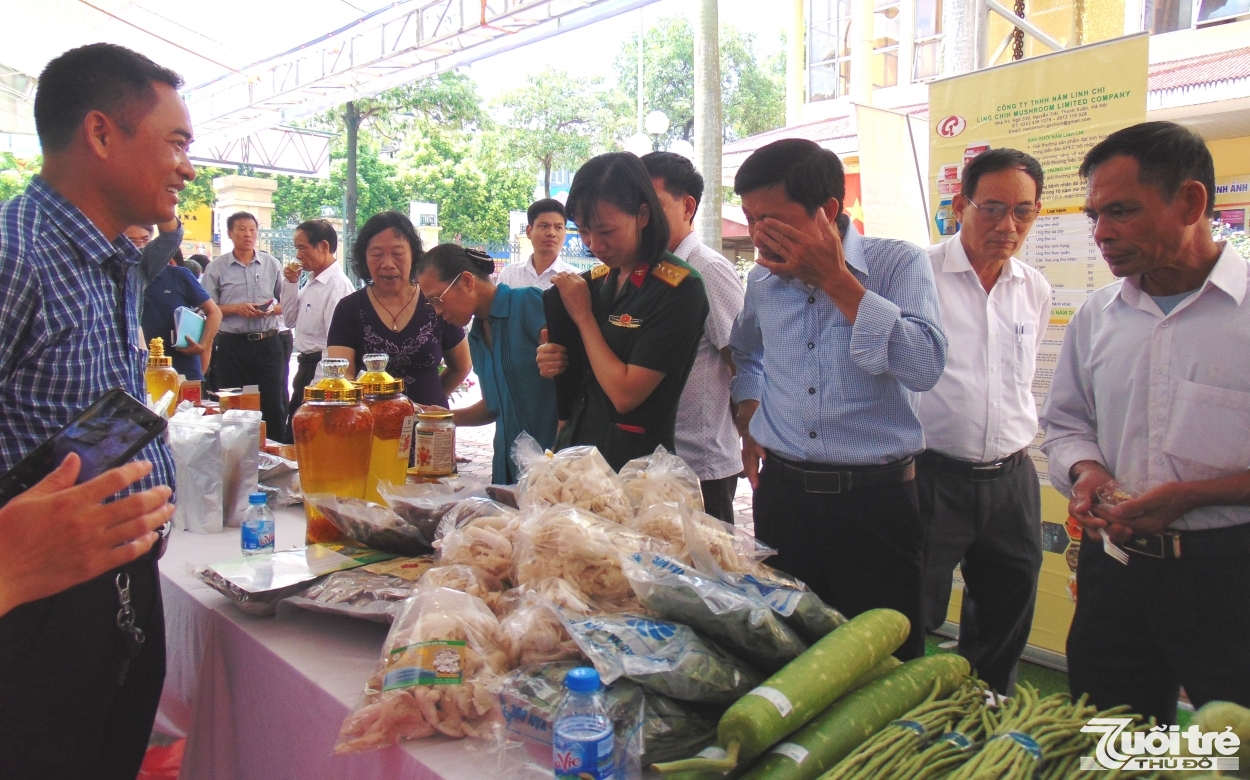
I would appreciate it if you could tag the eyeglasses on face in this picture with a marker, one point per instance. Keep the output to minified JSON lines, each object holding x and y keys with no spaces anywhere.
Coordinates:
{"x":995,"y":211}
{"x":437,"y":300}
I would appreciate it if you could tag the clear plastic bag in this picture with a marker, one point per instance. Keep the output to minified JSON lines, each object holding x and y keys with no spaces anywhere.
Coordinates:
{"x":555,"y":590}
{"x":357,"y":594}
{"x":439,"y":672}
{"x":659,"y":477}
{"x":582,"y":549}
{"x":466,"y":579}
{"x":577,"y":476}
{"x":668,"y":658}
{"x":478,"y":532}
{"x":660,"y":728}
{"x":370,"y":524}
{"x":715,"y":545}
{"x":423,"y":506}
{"x":739,"y":620}
{"x":536,"y":635}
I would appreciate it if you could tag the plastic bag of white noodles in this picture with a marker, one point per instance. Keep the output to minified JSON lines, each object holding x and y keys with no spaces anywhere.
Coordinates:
{"x":582,"y":549}
{"x":577,"y":476}
{"x":439,"y":673}
{"x":556,"y":591}
{"x":466,"y":579}
{"x":478,"y":532}
{"x":716,"y":545}
{"x":661,"y":476}
{"x":536,"y":635}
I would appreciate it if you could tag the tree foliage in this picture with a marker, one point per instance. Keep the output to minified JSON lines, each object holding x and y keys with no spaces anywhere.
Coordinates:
{"x":199,"y":192}
{"x":16,"y":173}
{"x":753,"y":93}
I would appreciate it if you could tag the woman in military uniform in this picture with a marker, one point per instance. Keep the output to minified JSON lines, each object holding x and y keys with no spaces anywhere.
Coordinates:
{"x":622,"y":336}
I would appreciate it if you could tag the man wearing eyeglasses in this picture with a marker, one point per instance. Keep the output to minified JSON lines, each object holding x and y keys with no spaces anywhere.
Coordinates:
{"x":979,"y":493}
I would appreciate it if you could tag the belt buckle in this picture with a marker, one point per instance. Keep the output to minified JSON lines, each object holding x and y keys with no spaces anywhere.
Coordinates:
{"x":255,"y":336}
{"x":1150,"y":546}
{"x":812,"y":482}
{"x":987,"y":473}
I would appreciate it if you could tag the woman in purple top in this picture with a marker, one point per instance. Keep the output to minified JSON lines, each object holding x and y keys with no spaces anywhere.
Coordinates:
{"x":390,"y":315}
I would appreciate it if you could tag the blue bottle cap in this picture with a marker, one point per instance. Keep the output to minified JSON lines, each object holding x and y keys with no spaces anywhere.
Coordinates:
{"x":257,"y":498}
{"x":582,"y":679}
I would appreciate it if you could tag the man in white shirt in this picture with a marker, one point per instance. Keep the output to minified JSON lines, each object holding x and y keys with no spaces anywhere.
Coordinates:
{"x":706,"y":436}
{"x":308,"y":311}
{"x":1152,"y":389}
{"x":979,"y":494}
{"x":546,"y":232}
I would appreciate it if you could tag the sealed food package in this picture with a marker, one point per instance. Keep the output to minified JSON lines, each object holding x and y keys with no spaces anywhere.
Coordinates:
{"x":715,"y":545}
{"x":240,"y":453}
{"x":438,"y":674}
{"x":196,"y":445}
{"x":279,"y":480}
{"x":666,"y":729}
{"x":577,"y":476}
{"x":668,"y":658}
{"x":424,"y":505}
{"x":478,"y":532}
{"x":536,"y":635}
{"x":665,"y":520}
{"x":739,"y":620}
{"x":659,"y":477}
{"x":257,"y":583}
{"x":799,"y":607}
{"x":370,"y":524}
{"x":554,"y":590}
{"x":466,"y":579}
{"x":356,"y":593}
{"x":583,"y":550}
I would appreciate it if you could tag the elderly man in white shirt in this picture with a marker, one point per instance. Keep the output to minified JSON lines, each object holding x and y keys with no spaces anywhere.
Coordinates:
{"x":546,"y":233}
{"x":309,"y":310}
{"x":706,"y":436}
{"x":1152,"y":390}
{"x":979,"y":493}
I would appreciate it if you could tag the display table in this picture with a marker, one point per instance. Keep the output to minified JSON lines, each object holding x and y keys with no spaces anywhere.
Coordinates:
{"x":263,"y":697}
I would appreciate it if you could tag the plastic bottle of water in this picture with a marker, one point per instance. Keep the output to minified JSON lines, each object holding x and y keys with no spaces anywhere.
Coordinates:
{"x":585,"y":742}
{"x":257,"y":532}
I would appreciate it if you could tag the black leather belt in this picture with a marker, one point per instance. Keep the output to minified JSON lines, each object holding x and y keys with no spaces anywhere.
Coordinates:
{"x":1215,"y":543}
{"x":257,"y":336}
{"x":309,"y":357}
{"x":976,"y":472}
{"x":826,"y":478}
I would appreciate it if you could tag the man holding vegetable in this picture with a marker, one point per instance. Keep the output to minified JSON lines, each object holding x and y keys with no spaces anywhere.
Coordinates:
{"x":1148,"y":430}
{"x":838,"y":336}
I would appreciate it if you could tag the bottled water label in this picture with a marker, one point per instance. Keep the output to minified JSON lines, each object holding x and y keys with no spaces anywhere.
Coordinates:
{"x":583,"y":749}
{"x":257,"y":536}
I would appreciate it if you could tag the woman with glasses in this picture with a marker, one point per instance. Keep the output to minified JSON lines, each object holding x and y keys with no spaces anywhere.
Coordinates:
{"x":623,"y":335}
{"x":389,"y":315}
{"x":507,"y":323}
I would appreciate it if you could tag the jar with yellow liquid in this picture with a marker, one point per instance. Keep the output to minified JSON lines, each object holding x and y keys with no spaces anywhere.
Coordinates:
{"x":333,"y":431}
{"x":393,"y":418}
{"x":160,"y":377}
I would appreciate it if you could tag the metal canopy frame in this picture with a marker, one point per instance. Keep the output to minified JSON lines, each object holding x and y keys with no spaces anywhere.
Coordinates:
{"x":410,"y":40}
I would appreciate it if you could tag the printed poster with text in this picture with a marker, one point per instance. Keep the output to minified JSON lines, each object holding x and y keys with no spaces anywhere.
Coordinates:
{"x":1055,"y":107}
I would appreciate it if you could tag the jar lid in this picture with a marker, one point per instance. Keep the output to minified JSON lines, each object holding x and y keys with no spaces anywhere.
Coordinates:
{"x":375,"y":381}
{"x":433,"y":415}
{"x":156,"y":354}
{"x":334,"y":384}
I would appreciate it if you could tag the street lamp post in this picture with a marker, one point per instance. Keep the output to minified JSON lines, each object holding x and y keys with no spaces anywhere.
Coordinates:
{"x":657,"y":125}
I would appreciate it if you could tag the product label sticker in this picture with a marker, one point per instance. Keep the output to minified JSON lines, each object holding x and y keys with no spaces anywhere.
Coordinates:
{"x":775,"y":697}
{"x":409,"y":569}
{"x":712,"y":752}
{"x":405,"y":438}
{"x":796,"y":753}
{"x":438,"y":662}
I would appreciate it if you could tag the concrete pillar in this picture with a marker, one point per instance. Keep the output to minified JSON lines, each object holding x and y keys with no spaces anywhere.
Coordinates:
{"x":796,"y":64}
{"x":708,"y":122}
{"x":242,"y":193}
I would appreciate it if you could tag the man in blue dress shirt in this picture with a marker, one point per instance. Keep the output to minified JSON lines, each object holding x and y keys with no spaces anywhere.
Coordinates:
{"x":838,"y":336}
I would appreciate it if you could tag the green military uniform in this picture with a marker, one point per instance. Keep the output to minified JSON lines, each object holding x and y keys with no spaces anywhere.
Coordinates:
{"x":655,"y":322}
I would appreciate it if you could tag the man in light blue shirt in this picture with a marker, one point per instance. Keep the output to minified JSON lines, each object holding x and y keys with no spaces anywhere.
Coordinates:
{"x":838,"y":337}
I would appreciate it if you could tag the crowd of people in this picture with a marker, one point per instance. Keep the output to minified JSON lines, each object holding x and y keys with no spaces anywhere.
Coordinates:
{"x":876,"y":395}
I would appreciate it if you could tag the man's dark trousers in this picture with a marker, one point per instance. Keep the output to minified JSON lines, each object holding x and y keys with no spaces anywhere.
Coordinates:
{"x":241,"y":361}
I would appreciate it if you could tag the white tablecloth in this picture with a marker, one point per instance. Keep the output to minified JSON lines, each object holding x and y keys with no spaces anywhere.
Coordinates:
{"x":264,"y":697}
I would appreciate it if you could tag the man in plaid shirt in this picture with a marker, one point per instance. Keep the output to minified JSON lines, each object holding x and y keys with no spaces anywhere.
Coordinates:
{"x":78,"y":694}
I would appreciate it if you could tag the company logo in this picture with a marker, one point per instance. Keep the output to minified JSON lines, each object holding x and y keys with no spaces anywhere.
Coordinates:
{"x":651,"y":628}
{"x":566,"y":761}
{"x":1160,"y":747}
{"x":951,"y":126}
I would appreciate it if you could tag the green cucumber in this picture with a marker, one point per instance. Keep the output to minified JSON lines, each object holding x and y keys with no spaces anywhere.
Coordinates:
{"x":803,"y":687}
{"x":835,"y":733}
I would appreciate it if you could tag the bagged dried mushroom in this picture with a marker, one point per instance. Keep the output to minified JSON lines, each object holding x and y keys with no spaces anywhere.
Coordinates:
{"x":554,"y":590}
{"x":582,"y":549}
{"x":577,"y":476}
{"x":357,"y":593}
{"x":478,"y":532}
{"x":536,"y":634}
{"x":660,"y":477}
{"x":466,"y":579}
{"x":424,"y":505}
{"x":370,"y":524}
{"x":439,"y":673}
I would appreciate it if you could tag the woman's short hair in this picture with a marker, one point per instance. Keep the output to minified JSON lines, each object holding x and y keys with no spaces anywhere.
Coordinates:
{"x":376,"y":224}
{"x":620,"y":178}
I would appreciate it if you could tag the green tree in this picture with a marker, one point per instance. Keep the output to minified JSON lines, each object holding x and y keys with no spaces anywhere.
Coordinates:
{"x":200,"y":191}
{"x":558,"y":120}
{"x":753,"y":94}
{"x":16,"y":173}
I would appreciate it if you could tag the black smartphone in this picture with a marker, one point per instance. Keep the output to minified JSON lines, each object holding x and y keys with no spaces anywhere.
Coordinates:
{"x":105,"y":435}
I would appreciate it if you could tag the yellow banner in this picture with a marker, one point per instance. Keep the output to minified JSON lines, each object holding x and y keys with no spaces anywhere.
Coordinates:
{"x":1055,"y":108}
{"x":197,"y":225}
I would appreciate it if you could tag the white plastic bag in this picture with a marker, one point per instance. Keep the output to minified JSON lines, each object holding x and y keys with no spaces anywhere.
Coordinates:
{"x":240,"y":454}
{"x":195,"y":441}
